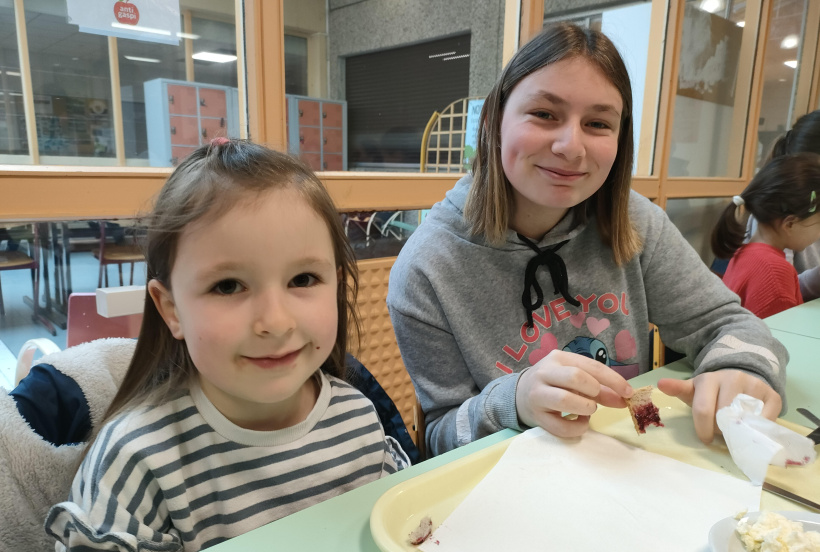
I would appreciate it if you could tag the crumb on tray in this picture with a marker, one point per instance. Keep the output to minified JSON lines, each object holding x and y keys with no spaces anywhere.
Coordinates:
{"x":420,"y":533}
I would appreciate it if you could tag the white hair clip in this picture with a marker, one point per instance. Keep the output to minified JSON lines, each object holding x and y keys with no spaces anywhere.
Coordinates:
{"x":737,"y":200}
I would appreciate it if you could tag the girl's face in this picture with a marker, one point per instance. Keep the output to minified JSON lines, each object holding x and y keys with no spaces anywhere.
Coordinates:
{"x":804,"y":232}
{"x":253,"y":294}
{"x":559,"y":139}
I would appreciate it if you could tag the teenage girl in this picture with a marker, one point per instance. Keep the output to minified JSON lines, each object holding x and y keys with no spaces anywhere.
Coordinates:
{"x":804,"y":136}
{"x":528,"y":291}
{"x":233,"y":412}
{"x":783,"y":198}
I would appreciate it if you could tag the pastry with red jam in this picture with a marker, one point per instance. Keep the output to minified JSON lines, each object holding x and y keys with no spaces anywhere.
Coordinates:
{"x":643,"y":410}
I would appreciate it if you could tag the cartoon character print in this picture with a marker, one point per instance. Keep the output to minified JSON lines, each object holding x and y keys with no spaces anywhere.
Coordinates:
{"x":538,"y":341}
{"x":596,"y":350}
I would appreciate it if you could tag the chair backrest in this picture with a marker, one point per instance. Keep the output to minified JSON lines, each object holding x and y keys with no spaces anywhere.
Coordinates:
{"x":84,"y":324}
{"x":442,"y":144}
{"x":379,"y":351}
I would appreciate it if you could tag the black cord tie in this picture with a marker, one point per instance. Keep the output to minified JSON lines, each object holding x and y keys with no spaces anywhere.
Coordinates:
{"x":558,"y":271}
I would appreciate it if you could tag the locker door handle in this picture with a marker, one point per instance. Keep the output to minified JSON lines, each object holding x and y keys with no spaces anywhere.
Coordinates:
{"x":174,"y":160}
{"x":173,"y":130}
{"x":202,"y":102}
{"x":301,"y":139}
{"x":204,"y":132}
{"x":170,"y":98}
{"x":301,"y":112}
{"x":324,"y":115}
{"x":222,"y":122}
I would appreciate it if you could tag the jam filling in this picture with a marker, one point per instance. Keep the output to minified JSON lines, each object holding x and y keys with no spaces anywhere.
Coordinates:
{"x":647,"y":414}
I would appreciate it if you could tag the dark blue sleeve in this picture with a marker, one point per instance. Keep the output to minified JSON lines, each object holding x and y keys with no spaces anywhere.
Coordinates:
{"x":53,"y":405}
{"x":360,"y":378}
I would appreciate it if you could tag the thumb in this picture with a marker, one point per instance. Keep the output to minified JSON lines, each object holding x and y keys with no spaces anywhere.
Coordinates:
{"x":682,"y":389}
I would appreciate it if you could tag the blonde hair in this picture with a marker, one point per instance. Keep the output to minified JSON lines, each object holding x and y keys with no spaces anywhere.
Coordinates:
{"x":490,"y":200}
{"x":208,"y":183}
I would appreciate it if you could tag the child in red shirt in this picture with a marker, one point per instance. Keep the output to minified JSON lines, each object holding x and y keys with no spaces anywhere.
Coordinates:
{"x":783,"y":197}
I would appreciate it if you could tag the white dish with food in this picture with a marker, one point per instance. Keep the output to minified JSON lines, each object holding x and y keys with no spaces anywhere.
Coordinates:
{"x":724,"y":538}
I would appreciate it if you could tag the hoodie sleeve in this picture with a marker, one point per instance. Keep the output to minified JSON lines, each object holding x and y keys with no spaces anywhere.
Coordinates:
{"x":697,"y":314}
{"x":456,"y":411}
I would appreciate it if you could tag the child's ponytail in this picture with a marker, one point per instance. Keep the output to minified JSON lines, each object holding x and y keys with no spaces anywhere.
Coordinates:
{"x":788,"y":186}
{"x":730,"y":230}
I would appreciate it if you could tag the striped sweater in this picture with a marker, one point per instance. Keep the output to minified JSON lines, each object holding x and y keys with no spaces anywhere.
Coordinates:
{"x":181,"y":476}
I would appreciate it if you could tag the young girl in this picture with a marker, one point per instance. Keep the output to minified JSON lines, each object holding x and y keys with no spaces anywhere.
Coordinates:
{"x":528,"y":290}
{"x":783,"y":198}
{"x":233,"y":412}
{"x":804,"y":136}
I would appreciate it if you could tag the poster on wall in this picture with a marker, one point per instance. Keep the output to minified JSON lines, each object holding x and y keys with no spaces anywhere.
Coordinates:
{"x":709,"y":57}
{"x":146,"y":20}
{"x":471,"y":131}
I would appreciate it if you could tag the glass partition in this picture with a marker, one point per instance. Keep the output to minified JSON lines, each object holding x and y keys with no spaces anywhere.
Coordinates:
{"x":74,"y":88}
{"x":13,"y":140}
{"x":784,"y":47}
{"x":380,"y":73}
{"x":71,"y":84}
{"x":714,"y":76}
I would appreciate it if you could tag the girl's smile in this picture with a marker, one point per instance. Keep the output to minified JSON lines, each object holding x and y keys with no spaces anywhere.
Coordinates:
{"x":267,"y":362}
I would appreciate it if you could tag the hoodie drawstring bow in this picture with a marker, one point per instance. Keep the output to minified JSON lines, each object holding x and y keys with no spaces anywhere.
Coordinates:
{"x":558,"y":271}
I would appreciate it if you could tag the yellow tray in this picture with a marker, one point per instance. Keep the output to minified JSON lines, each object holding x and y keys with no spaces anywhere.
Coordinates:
{"x":436,"y":494}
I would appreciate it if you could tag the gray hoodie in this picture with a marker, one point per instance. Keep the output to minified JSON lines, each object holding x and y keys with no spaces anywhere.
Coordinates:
{"x":464,"y":333}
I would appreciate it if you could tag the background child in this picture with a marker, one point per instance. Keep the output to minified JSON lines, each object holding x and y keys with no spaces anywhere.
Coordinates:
{"x":783,"y":198}
{"x":233,"y":412}
{"x":527,"y":292}
{"x":804,"y":136}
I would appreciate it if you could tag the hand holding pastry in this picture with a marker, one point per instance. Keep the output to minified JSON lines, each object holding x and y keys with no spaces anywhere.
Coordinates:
{"x":567,"y":383}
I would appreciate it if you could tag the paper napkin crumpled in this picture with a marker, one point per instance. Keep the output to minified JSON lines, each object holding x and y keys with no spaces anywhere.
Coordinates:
{"x":755,"y":442}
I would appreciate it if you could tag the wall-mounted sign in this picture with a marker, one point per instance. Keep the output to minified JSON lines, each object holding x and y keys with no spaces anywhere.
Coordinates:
{"x":471,"y":131}
{"x":147,"y":20}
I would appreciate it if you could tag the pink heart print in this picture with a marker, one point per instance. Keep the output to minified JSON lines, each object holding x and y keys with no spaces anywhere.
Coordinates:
{"x":597,"y":326}
{"x":625,"y":346}
{"x":548,"y":343}
{"x":577,"y":319}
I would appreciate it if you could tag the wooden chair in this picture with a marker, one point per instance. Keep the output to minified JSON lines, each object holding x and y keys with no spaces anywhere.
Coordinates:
{"x":18,"y":260}
{"x":442,"y":144}
{"x":116,"y":254}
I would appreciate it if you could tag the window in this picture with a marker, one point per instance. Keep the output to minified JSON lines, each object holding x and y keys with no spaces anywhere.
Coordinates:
{"x":714,"y":84}
{"x":296,"y":66}
{"x":391,"y":95}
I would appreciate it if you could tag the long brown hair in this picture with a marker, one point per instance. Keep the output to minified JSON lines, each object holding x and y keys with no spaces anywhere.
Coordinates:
{"x":490,"y":201}
{"x":208,"y":183}
{"x":788,"y":185}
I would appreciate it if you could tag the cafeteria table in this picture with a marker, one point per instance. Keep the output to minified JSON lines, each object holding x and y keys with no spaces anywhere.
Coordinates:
{"x":342,"y":523}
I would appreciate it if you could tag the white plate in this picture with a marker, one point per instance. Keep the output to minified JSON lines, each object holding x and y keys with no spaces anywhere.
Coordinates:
{"x":722,"y":536}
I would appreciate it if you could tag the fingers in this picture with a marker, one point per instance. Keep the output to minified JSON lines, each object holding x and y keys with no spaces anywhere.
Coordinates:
{"x":565,"y":382}
{"x":772,"y":405}
{"x":582,"y":374}
{"x":566,"y":428}
{"x":707,"y":393}
{"x":682,"y":389}
{"x":704,"y":407}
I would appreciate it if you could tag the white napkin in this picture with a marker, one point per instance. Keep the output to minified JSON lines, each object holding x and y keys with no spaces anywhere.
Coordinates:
{"x":755,"y":442}
{"x":591,"y":493}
